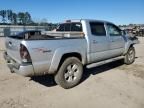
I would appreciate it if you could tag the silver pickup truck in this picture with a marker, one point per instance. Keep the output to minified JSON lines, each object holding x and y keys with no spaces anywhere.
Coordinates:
{"x":64,"y":52}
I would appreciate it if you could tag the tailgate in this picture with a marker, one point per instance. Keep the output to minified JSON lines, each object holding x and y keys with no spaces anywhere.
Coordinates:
{"x":12,"y":48}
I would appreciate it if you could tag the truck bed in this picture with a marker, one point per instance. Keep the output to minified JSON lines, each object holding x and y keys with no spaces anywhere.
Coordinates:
{"x":43,"y":49}
{"x":47,"y":35}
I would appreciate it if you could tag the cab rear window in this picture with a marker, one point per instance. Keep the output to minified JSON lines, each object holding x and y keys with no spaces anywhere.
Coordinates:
{"x":74,"y":27}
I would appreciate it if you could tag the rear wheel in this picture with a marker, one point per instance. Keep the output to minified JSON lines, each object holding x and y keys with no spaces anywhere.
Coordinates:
{"x":130,"y":56}
{"x":70,"y":73}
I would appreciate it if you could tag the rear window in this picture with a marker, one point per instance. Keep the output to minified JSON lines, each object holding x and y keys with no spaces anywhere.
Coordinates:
{"x":74,"y":27}
{"x":97,"y":28}
{"x":61,"y":27}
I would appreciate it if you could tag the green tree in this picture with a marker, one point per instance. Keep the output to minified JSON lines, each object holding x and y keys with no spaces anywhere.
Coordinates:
{"x":27,"y":18}
{"x":3,"y":14}
{"x":14,"y":18}
{"x":24,"y":18}
{"x":0,"y":13}
{"x":9,"y":15}
{"x":21,"y":17}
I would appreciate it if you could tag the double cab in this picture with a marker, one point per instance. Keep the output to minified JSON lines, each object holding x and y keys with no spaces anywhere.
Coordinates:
{"x":64,"y":51}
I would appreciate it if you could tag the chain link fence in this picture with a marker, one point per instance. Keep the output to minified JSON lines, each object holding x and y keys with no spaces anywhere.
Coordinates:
{"x":10,"y":30}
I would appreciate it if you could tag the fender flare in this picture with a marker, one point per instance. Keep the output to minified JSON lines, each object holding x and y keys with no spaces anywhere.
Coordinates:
{"x":127,"y":46}
{"x":58,"y":54}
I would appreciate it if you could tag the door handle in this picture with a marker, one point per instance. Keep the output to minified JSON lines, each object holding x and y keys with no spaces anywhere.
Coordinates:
{"x":95,"y":42}
{"x":10,"y":43}
{"x":112,"y":41}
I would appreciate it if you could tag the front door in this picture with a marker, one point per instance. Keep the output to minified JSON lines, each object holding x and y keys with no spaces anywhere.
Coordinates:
{"x":117,"y":42}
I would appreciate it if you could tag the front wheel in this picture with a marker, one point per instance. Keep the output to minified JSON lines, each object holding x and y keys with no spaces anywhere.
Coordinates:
{"x":130,"y":56}
{"x":70,"y":73}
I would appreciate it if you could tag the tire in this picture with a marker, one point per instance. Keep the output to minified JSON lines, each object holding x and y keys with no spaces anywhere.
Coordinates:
{"x":130,"y":56}
{"x":12,"y":71}
{"x":69,"y":73}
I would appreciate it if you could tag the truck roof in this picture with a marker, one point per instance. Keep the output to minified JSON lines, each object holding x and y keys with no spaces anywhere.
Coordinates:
{"x":87,"y":20}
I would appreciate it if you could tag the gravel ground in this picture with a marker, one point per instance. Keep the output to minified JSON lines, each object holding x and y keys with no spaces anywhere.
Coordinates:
{"x":113,"y":85}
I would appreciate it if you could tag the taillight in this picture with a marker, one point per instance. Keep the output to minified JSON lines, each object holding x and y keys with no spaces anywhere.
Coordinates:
{"x":25,"y":56}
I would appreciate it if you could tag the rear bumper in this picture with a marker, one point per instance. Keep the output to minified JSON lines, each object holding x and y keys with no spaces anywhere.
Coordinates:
{"x":24,"y":69}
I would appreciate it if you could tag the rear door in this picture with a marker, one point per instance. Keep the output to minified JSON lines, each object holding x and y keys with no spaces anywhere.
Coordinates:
{"x":99,"y":42}
{"x":117,"y":42}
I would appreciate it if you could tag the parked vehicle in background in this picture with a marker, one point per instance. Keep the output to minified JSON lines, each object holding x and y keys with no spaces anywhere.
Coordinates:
{"x":63,"y":53}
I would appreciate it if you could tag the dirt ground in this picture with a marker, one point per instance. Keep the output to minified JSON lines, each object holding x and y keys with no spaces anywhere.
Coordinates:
{"x":113,"y":85}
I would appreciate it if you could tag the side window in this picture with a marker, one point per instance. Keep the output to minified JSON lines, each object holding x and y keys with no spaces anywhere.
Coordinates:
{"x":76,"y":27}
{"x":113,"y":30}
{"x":97,"y":28}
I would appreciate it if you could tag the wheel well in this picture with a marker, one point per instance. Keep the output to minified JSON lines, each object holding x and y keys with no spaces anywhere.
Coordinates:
{"x":77,"y":55}
{"x":131,"y":45}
